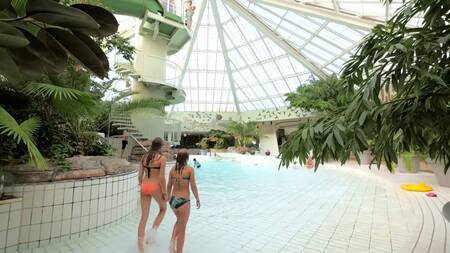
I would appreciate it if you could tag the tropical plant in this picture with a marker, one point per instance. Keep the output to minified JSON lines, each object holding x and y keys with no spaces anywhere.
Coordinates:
{"x":321,"y":95}
{"x":39,"y":36}
{"x":22,"y":133}
{"x":203,"y":144}
{"x":142,"y":104}
{"x":410,"y":63}
{"x":244,"y":133}
{"x":38,"y":40}
{"x":219,"y":138}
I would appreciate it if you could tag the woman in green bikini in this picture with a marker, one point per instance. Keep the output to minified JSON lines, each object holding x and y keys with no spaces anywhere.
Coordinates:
{"x":181,"y":176}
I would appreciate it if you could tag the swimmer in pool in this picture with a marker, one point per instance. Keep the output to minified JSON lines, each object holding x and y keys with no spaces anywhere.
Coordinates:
{"x":196,"y":164}
{"x":153,"y":184}
{"x":181,"y":178}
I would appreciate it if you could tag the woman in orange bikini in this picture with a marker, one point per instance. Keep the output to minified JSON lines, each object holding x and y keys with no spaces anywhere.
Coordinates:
{"x":153,"y":184}
{"x":181,"y":177}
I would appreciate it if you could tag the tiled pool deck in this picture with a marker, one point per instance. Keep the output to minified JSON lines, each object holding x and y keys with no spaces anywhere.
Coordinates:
{"x":338,"y":209}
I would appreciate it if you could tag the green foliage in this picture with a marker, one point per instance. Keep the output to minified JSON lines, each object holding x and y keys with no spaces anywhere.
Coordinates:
{"x":142,"y":104}
{"x":120,"y":43}
{"x":413,"y":64}
{"x":43,"y":48}
{"x":321,"y":95}
{"x":244,"y":133}
{"x":220,"y":139}
{"x":203,"y":144}
{"x":59,"y":153}
{"x":22,"y":133}
{"x":38,"y":37}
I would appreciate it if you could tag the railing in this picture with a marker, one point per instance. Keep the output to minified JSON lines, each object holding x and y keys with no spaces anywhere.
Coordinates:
{"x":176,"y":7}
{"x":139,"y":143}
{"x":173,"y":70}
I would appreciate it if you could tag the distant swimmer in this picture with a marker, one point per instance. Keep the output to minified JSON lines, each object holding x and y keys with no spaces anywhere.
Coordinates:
{"x":197,"y":164}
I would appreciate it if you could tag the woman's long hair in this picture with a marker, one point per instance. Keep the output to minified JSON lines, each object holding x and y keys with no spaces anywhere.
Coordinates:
{"x":154,"y":150}
{"x":182,"y":158}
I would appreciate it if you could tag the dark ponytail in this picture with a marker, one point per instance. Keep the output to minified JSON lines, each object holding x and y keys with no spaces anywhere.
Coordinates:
{"x":154,"y":150}
{"x":182,"y":158}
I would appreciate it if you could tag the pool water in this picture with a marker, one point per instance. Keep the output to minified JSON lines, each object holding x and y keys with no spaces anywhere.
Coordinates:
{"x":249,"y":205}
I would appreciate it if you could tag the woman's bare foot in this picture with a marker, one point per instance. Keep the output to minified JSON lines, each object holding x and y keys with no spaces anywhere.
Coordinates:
{"x":172,"y":246}
{"x":140,"y":244}
{"x":152,"y":237}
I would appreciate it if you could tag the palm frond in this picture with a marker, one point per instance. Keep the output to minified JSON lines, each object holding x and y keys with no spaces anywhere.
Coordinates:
{"x":123,"y":95}
{"x":143,"y":104}
{"x":65,"y":100}
{"x":22,"y":133}
{"x":84,"y":105}
{"x":52,"y":91}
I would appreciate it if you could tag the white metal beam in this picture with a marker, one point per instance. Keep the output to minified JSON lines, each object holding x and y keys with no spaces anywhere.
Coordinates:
{"x":191,"y":46}
{"x":254,"y":54}
{"x":276,"y":38}
{"x":346,"y":51}
{"x":189,"y":53}
{"x":225,"y":53}
{"x":349,"y":19}
{"x":336,"y":6}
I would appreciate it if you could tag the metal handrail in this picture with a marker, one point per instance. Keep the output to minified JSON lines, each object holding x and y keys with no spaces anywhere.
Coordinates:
{"x":138,"y":142}
{"x":174,"y":6}
{"x":173,"y":70}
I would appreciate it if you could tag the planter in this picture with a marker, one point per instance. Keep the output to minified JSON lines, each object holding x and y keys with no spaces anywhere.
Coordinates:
{"x":83,"y":167}
{"x":10,"y":218}
{"x":409,"y":163}
{"x":438,"y":169}
{"x":366,"y":157}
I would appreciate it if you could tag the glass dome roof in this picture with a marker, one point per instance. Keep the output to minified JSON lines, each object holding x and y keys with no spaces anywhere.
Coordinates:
{"x":245,"y":55}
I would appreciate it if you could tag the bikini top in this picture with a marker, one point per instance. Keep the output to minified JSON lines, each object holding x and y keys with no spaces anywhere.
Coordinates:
{"x":185,"y":178}
{"x":149,"y":168}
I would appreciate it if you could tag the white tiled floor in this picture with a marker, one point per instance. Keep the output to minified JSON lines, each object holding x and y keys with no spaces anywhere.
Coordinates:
{"x":337,"y":209}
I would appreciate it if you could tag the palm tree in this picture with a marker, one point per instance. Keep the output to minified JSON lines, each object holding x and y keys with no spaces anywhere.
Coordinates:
{"x":244,"y":133}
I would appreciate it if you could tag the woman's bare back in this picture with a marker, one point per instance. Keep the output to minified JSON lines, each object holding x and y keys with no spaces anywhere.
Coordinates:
{"x":153,"y":167}
{"x":181,"y":181}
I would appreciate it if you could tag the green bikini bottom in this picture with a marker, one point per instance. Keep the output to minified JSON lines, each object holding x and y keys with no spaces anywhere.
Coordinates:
{"x":176,"y":202}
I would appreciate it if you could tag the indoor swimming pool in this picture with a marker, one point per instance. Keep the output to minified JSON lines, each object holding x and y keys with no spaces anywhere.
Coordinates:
{"x":248,"y":205}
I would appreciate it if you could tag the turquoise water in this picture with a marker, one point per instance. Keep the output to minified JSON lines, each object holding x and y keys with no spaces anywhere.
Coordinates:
{"x":249,"y":205}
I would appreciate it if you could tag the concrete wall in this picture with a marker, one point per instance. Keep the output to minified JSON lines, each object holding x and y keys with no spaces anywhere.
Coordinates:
{"x":268,"y":138}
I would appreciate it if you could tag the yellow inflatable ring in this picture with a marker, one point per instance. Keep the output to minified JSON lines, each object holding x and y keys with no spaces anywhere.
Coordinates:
{"x":421,"y":187}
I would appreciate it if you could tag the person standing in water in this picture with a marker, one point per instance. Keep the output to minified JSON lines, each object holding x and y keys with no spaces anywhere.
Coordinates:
{"x":181,"y":178}
{"x":189,"y":13}
{"x":152,"y":182}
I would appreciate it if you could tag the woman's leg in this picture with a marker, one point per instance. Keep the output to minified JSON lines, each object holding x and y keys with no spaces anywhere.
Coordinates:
{"x":157,"y":195}
{"x":173,"y":240}
{"x":145,"y":208}
{"x":184,"y":212}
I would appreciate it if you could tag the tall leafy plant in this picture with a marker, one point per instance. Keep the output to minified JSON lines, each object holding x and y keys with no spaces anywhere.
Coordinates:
{"x":244,"y":133}
{"x":37,"y":39}
{"x":323,"y":95}
{"x":411,"y":63}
